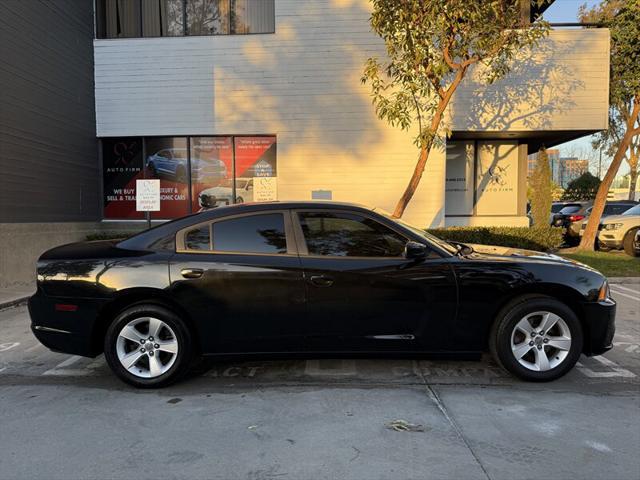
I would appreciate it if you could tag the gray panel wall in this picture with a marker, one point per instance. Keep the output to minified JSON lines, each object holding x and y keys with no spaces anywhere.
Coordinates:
{"x":48,"y":150}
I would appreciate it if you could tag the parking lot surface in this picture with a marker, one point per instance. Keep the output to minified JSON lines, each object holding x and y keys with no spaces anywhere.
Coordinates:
{"x":67,"y":417}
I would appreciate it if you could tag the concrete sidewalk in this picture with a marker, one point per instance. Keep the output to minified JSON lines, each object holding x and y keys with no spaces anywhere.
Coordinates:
{"x":10,"y":297}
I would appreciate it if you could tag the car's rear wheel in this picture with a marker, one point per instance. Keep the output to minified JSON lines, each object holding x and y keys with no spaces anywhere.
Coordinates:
{"x":537,"y":338}
{"x":627,"y":243}
{"x":148,"y":346}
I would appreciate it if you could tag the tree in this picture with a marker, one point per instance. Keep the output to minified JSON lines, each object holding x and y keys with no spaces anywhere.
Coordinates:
{"x":541,"y":186}
{"x":431,"y":45}
{"x":584,"y":187}
{"x":623,"y":19}
{"x":609,"y":141}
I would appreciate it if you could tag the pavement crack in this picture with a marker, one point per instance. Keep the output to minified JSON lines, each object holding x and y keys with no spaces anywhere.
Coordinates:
{"x":433,"y":396}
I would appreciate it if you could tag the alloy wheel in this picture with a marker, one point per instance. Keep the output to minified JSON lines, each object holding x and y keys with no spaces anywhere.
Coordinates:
{"x":147,"y":347}
{"x":541,"y":341}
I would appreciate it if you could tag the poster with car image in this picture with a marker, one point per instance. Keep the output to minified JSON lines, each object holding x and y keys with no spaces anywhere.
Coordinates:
{"x":211,"y":172}
{"x":167,"y":160}
{"x":254,"y":157}
{"x":121,"y":167}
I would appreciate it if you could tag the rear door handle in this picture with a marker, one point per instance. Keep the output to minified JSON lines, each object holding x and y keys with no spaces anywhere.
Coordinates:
{"x":321,"y":280}
{"x":191,"y":272}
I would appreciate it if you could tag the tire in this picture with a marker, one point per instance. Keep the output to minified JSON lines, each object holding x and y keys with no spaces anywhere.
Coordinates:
{"x":507,"y":331}
{"x":627,"y":243}
{"x":171,"y":353}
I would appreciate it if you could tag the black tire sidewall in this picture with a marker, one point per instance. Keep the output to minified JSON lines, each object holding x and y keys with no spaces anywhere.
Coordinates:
{"x":183,"y":336}
{"x":512,"y":315}
{"x":627,"y":242}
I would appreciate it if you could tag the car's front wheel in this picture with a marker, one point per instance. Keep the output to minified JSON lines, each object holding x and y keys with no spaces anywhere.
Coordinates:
{"x":536,"y":338}
{"x":148,"y":346}
{"x":627,"y":243}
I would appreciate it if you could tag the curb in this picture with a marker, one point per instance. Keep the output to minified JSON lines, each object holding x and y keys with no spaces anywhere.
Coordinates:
{"x":17,"y":302}
{"x":624,"y":280}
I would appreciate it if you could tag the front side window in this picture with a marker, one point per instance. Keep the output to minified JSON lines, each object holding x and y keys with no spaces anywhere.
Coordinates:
{"x":263,"y":233}
{"x":349,"y":235}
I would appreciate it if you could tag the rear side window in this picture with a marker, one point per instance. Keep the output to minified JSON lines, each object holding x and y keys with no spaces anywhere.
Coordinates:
{"x":616,"y":209}
{"x":198,"y":238}
{"x":251,"y":234}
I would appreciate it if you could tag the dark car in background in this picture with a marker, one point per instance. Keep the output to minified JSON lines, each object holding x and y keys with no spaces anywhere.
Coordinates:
{"x":571,"y":218}
{"x":313,"y":278}
{"x":172,"y":164}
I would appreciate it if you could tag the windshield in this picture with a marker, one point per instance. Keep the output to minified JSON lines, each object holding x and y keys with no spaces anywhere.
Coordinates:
{"x":633,"y":210}
{"x":418,"y":231}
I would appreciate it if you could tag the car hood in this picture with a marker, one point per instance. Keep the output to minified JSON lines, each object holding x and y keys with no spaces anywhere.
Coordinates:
{"x":496,"y":253}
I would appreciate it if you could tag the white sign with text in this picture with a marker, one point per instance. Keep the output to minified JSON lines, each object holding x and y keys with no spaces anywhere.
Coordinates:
{"x":148,"y":195}
{"x":265,"y":189}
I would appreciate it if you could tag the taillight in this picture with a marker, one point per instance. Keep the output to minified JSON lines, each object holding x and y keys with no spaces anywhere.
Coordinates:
{"x":66,"y":307}
{"x":576,"y":218}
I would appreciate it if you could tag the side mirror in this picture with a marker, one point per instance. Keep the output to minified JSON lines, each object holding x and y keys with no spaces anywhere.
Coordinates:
{"x":415,"y":250}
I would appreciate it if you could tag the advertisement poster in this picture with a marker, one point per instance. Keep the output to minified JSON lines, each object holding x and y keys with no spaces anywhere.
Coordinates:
{"x":167,"y":160}
{"x":121,"y":167}
{"x":497,"y":179}
{"x":265,"y":189}
{"x":211,"y":172}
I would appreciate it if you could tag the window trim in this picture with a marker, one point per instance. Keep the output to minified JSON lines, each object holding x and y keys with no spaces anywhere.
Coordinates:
{"x":302,"y":242}
{"x":288,"y":231}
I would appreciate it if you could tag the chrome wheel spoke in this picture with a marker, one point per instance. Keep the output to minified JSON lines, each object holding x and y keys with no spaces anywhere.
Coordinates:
{"x":155,"y":326}
{"x":130,"y":333}
{"x":542,"y":361}
{"x":130,"y":359}
{"x":169,"y":346}
{"x":521,"y":349}
{"x":524,"y":326}
{"x":548,"y":321}
{"x":561,"y":343}
{"x":155,"y":366}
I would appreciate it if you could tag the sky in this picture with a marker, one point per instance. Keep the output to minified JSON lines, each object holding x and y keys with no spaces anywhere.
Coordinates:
{"x":567,"y":11}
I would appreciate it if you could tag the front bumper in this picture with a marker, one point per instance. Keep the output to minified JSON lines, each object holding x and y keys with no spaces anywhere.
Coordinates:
{"x":600,"y":326}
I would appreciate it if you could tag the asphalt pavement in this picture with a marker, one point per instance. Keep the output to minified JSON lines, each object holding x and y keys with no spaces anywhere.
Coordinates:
{"x":67,"y":417}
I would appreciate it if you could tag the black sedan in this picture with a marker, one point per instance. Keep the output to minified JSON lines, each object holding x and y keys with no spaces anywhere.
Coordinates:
{"x":313,"y":277}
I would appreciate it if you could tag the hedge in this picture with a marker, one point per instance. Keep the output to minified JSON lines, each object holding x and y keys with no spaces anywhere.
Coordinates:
{"x":541,"y":238}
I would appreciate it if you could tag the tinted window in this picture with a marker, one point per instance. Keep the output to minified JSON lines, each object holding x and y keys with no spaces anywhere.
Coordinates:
{"x":162,"y":18}
{"x":349,"y":235}
{"x":197,"y":239}
{"x":633,"y":211}
{"x":616,"y":209}
{"x":118,"y":18}
{"x":570,"y":209}
{"x":556,"y":207}
{"x":251,"y":234}
{"x":221,"y":17}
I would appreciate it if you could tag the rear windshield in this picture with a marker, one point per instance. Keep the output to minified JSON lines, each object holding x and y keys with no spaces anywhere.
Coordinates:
{"x":570,"y":209}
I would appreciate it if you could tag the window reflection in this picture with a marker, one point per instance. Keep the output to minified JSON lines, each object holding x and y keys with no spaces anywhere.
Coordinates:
{"x":208,"y":17}
{"x":198,"y":238}
{"x":162,"y":18}
{"x":349,"y":235}
{"x":251,"y":234}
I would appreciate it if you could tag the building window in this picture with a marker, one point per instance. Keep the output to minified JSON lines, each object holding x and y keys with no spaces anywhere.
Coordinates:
{"x":195,"y":173}
{"x":170,"y":18}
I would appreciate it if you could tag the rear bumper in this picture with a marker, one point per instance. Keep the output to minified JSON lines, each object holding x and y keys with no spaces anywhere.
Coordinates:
{"x":64,"y":331}
{"x":600,"y":326}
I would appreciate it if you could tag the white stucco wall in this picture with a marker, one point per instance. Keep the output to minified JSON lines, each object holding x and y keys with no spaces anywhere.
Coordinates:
{"x":301,"y":83}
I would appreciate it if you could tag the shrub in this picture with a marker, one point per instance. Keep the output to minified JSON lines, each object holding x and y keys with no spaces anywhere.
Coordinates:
{"x":541,"y":238}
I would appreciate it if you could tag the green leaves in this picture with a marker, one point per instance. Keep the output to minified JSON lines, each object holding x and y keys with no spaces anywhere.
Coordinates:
{"x":430,"y":46}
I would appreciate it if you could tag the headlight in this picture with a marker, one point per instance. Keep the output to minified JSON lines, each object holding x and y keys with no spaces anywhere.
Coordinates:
{"x":612,"y":226}
{"x":604,"y":293}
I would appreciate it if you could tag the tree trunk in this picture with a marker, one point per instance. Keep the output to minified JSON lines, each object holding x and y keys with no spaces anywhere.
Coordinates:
{"x":589,"y":237}
{"x":414,"y":182}
{"x":633,"y":173}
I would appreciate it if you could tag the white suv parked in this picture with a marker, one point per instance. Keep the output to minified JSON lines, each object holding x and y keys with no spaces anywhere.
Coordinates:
{"x":618,"y":231}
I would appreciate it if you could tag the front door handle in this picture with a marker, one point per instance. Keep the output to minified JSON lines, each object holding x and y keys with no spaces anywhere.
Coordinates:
{"x":321,"y":280}
{"x":191,"y":272}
